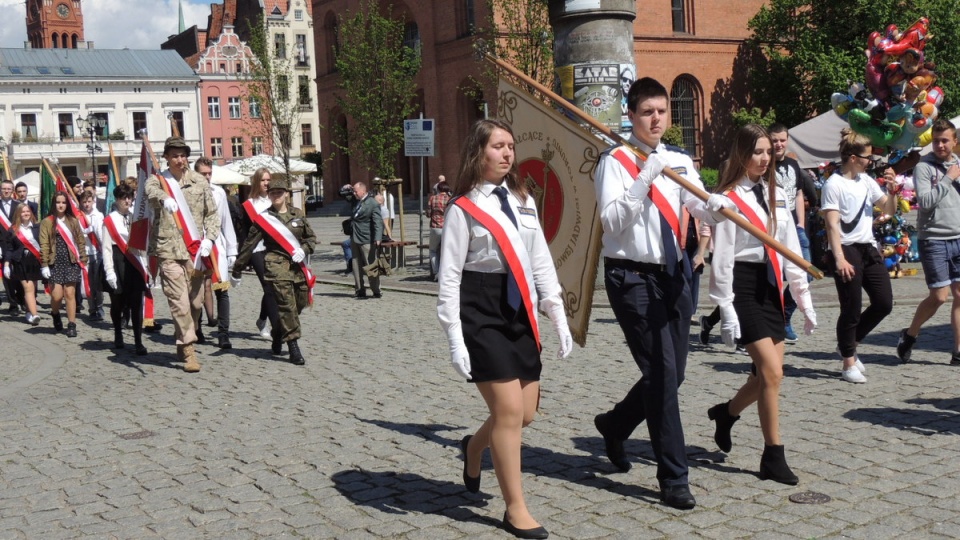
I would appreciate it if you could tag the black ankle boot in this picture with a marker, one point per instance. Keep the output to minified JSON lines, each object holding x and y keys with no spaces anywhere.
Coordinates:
{"x":57,"y":322}
{"x":773,"y":466}
{"x":296,"y":357}
{"x":117,"y":339}
{"x":721,"y":414}
{"x":71,"y":329}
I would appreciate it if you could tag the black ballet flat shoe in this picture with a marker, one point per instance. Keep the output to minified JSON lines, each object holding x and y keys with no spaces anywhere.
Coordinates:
{"x":472,"y":484}
{"x":536,"y":532}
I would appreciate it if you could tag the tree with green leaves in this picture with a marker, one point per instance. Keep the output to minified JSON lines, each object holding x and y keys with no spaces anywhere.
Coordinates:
{"x":377,"y":66}
{"x":523,"y":37}
{"x":812,"y":49}
{"x":273,"y":111}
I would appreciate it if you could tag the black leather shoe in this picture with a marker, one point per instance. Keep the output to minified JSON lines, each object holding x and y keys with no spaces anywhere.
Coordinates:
{"x":140,"y":350}
{"x":117,"y":340}
{"x":614,"y":446}
{"x":678,"y":497}
{"x":536,"y":532}
{"x":360,"y":294}
{"x":71,"y":330}
{"x":472,"y":484}
{"x":223,"y":341}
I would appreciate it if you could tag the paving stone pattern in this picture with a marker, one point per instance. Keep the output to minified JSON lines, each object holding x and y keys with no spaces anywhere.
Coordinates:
{"x":362,"y":442}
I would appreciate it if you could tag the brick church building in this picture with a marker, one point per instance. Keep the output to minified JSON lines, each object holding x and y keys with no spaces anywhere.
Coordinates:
{"x":694,"y":47}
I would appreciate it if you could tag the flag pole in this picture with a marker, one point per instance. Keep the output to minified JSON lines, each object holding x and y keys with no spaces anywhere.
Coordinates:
{"x":733,"y":216}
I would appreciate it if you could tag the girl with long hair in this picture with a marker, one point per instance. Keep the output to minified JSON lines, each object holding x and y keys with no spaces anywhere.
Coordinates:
{"x":125,"y":269}
{"x":64,"y":251}
{"x":494,"y":266}
{"x":21,"y":247}
{"x":258,"y":202}
{"x":847,"y":202}
{"x":746,"y":284}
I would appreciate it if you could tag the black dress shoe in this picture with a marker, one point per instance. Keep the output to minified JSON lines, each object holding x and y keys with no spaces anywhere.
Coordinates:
{"x":614,"y":446}
{"x":678,"y":497}
{"x":472,"y":484}
{"x":536,"y":532}
{"x":360,"y":294}
{"x":141,"y":350}
{"x":223,"y":341}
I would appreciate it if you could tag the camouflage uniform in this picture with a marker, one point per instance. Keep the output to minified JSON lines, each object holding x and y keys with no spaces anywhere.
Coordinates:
{"x":281,"y":273}
{"x":181,"y":285}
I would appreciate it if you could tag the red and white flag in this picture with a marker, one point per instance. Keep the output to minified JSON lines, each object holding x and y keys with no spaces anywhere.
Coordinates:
{"x":140,"y":222}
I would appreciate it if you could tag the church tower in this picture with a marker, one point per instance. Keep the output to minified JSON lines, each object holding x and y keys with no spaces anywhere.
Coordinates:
{"x":54,"y":24}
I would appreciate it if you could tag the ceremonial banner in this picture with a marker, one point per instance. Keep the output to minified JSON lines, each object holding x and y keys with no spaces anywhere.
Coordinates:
{"x":556,"y":158}
{"x":48,"y":186}
{"x":140,"y":226}
{"x":113,"y":175}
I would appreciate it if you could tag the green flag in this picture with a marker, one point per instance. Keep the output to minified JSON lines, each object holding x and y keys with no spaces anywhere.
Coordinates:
{"x":111,"y":182}
{"x":48,"y":186}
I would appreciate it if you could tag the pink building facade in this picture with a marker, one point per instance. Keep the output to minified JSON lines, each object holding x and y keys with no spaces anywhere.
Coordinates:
{"x":231,"y":128}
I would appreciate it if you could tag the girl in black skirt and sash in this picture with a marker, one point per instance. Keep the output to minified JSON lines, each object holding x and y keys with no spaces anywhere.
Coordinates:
{"x":494,"y":267}
{"x":21,"y":245}
{"x":746,"y":283}
{"x":125,"y":280}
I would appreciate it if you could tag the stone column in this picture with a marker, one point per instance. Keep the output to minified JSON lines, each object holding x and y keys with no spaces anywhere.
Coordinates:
{"x":593,"y":55}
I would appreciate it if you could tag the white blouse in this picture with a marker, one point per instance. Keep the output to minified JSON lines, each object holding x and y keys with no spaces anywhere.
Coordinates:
{"x":469,"y":246}
{"x":732,"y":244}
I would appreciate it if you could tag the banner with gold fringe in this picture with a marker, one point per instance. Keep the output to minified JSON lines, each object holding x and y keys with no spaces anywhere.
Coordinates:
{"x":556,"y":158}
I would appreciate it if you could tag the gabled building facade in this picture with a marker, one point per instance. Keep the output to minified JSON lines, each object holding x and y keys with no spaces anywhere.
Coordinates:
{"x":44,"y":91}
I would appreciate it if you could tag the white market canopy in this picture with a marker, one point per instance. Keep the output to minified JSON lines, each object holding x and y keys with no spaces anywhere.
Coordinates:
{"x":32,"y":180}
{"x":817,"y":140}
{"x":274,"y":164}
{"x":224,"y":176}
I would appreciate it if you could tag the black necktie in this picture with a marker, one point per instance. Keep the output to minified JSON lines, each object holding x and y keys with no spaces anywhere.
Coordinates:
{"x":758,"y":192}
{"x":513,"y":290}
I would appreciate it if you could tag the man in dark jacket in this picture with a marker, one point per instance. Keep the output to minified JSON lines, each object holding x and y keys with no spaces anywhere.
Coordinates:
{"x":365,"y":240}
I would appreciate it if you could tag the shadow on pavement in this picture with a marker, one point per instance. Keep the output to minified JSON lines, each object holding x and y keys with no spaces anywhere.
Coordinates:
{"x":924,"y":422}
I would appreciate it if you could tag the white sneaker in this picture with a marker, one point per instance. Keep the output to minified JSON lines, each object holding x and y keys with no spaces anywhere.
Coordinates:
{"x":262,"y":327}
{"x":858,"y":364}
{"x":853,"y":375}
{"x":32,"y":319}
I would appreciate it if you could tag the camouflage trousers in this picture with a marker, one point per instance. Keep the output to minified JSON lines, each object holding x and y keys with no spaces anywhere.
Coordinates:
{"x":291,"y":298}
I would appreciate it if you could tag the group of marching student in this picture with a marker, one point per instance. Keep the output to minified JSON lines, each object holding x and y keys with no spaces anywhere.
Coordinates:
{"x":75,"y":247}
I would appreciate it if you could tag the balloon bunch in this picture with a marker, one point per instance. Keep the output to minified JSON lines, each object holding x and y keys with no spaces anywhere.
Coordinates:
{"x":897,"y":103}
{"x":897,"y":238}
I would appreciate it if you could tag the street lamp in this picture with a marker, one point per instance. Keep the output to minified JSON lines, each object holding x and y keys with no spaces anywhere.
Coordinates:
{"x":90,"y":124}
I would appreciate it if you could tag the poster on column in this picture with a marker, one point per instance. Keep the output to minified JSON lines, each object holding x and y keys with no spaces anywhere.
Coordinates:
{"x":594,"y":89}
{"x":627,"y":76}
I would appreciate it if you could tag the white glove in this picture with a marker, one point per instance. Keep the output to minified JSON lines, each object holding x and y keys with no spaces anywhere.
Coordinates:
{"x":460,"y":359}
{"x":234,"y":281}
{"x":716,"y":203}
{"x":88,"y":230}
{"x":170,"y":205}
{"x":6,"y":271}
{"x":298,"y":255}
{"x":205,"y":246}
{"x":230,"y":260}
{"x":559,"y":319}
{"x":651,"y":170}
{"x":45,"y":272}
{"x":811,"y":323}
{"x":729,"y":326}
{"x":112,"y":280}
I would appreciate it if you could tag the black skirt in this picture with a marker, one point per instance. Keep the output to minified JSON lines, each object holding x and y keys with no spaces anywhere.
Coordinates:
{"x":757,"y":303}
{"x":26,"y":269}
{"x":499,"y":340}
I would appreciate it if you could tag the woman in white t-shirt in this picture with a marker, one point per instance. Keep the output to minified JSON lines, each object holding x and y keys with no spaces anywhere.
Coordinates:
{"x":847,"y":204}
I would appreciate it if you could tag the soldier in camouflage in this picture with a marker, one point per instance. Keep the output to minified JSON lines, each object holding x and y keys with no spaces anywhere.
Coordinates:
{"x":286,"y":280}
{"x":182,"y":285}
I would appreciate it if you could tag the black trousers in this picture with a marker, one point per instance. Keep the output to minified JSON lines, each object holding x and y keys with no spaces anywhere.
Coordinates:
{"x":15,"y":292}
{"x":870,"y":275}
{"x":654,"y":310}
{"x":95,"y":271}
{"x":131,"y":303}
{"x":223,"y":311}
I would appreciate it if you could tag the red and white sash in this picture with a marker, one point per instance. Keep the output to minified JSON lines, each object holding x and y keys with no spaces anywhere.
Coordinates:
{"x":4,"y":221}
{"x":30,"y":243}
{"x":119,"y":234}
{"x":72,"y":246}
{"x":284,"y":236}
{"x":659,"y":200}
{"x":753,"y":218}
{"x":191,"y":235}
{"x":255,"y":208}
{"x":508,"y":239}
